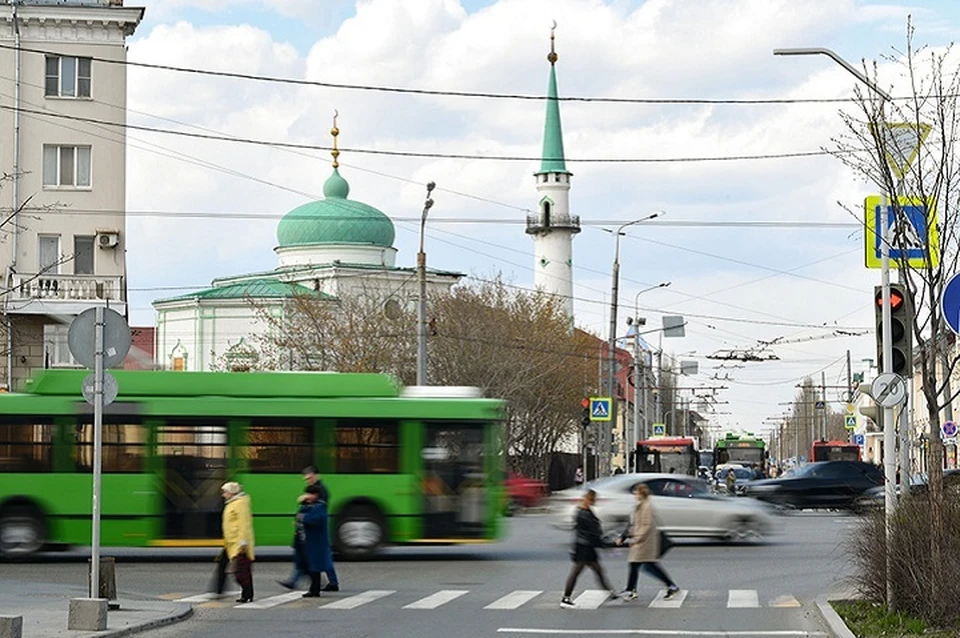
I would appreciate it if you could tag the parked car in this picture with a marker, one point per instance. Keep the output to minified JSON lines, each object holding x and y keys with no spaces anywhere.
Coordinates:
{"x":685,"y":507}
{"x":919,"y":486}
{"x":523,"y":491}
{"x":826,"y":484}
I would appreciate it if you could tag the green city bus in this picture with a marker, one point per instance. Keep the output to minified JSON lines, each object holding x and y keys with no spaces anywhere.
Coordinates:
{"x":744,"y":449}
{"x":414,"y":465}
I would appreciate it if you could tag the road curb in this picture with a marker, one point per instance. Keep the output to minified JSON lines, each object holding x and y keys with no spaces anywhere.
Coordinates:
{"x":837,"y":627}
{"x":180,"y":613}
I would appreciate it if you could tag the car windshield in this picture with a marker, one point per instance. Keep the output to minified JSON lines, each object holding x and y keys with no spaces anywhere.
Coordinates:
{"x":808,"y":470}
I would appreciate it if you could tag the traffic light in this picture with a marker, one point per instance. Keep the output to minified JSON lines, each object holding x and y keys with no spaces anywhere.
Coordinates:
{"x":901,"y":328}
{"x":585,"y":412}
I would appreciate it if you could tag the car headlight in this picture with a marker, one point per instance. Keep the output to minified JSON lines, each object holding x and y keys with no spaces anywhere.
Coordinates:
{"x":763,"y":489}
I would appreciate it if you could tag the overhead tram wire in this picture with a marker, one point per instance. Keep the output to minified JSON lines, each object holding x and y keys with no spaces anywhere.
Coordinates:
{"x":449,"y":93}
{"x":418,"y":154}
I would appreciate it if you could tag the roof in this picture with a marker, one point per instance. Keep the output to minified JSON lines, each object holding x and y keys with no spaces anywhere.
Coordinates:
{"x":335,"y":220}
{"x":552,"y":160}
{"x":254,"y":288}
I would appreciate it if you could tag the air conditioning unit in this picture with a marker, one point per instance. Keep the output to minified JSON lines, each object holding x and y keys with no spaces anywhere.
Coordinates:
{"x":108,"y":239}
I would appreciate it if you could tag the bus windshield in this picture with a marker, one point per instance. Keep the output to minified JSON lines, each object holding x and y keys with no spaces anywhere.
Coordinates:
{"x":670,"y":456}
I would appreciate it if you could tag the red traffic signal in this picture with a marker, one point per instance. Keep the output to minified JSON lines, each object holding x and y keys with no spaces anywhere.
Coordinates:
{"x":896,"y":299}
{"x":585,"y":403}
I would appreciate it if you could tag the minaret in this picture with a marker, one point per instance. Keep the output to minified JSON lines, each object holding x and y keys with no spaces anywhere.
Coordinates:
{"x":553,"y":227}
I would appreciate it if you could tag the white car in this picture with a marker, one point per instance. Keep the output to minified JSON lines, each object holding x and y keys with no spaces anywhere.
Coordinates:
{"x":684,"y":507}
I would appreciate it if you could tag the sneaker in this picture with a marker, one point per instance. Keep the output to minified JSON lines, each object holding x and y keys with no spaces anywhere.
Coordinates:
{"x":628,"y":595}
{"x":566,"y":603}
{"x":330,"y":587}
{"x":613,"y":595}
{"x":671,"y":592}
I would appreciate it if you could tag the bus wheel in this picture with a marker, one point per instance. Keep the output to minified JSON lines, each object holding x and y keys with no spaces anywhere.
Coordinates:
{"x":360,"y":532}
{"x":21,"y":532}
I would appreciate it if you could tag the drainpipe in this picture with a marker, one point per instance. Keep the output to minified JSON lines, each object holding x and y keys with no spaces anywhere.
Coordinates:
{"x":16,"y":183}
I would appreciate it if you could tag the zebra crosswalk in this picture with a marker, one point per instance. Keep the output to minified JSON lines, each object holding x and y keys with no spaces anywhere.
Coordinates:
{"x":512,"y":601}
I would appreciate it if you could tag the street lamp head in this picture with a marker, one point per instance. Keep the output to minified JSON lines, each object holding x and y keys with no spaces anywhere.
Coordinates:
{"x":430,"y":187}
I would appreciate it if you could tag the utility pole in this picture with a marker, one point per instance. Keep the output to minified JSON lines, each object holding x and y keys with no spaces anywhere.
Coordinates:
{"x":823,"y":397}
{"x":422,"y":302}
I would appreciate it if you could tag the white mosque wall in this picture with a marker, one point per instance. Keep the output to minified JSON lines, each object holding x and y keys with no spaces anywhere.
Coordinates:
{"x":312,"y":255}
{"x":554,"y":266}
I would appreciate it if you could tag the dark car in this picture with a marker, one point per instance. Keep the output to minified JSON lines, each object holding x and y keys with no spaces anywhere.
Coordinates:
{"x":874,"y":497}
{"x":827,"y":484}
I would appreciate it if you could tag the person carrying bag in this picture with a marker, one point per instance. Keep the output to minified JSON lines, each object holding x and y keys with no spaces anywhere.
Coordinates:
{"x":647,"y":544}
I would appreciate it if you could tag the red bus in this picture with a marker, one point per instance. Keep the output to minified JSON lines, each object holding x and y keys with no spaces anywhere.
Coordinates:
{"x":676,"y":455}
{"x":835,"y":451}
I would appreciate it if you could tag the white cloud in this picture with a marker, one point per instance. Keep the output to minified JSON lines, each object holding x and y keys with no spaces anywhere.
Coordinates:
{"x":657,"y":49}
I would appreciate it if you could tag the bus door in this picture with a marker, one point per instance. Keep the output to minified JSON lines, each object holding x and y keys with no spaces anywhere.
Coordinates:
{"x":454,"y":483}
{"x":193,"y":468}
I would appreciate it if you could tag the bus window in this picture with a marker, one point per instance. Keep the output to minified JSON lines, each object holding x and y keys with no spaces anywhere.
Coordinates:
{"x":124,"y":448}
{"x":368,"y":447}
{"x":278,"y":449}
{"x":26,"y":447}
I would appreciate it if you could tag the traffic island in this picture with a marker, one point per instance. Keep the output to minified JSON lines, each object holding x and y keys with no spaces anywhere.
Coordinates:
{"x":865,"y":619}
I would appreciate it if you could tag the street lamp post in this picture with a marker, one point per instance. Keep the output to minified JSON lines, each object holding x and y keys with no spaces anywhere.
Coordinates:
{"x":638,"y":370}
{"x":422,"y":302}
{"x":889,"y":440}
{"x":605,"y":441}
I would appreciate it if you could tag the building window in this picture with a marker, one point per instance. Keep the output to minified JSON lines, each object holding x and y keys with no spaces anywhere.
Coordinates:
{"x":68,"y":76}
{"x":49,"y":254}
{"x":83,"y":254}
{"x":367,"y":448}
{"x":56,"y":351}
{"x":66,"y":166}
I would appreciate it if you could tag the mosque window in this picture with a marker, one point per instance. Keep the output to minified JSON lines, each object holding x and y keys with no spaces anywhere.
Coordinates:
{"x":546,"y":213}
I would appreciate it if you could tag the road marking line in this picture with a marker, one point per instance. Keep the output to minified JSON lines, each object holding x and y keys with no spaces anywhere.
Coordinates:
{"x":673,"y":602}
{"x":591,"y":598}
{"x":433,"y":601}
{"x":785,"y":601}
{"x":273,"y":601}
{"x":742,"y":598}
{"x":360,"y":599}
{"x":514,"y":599}
{"x":202,"y":598}
{"x":663,"y":632}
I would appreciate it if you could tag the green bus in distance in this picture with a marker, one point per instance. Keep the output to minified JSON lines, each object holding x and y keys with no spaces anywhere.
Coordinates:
{"x":743,"y":449}
{"x":414,"y":465}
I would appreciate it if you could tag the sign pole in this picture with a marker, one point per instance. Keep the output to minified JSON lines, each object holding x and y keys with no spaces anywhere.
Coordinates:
{"x":97,"y":450}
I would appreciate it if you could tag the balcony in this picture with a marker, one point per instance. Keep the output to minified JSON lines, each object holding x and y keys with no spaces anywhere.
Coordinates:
{"x":63,"y":294}
{"x":537,"y":224}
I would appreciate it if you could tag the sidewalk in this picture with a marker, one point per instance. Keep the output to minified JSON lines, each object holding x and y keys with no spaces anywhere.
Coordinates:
{"x":44,"y":609}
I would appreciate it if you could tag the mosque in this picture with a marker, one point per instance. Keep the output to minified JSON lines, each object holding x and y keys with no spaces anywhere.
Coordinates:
{"x":338,"y":247}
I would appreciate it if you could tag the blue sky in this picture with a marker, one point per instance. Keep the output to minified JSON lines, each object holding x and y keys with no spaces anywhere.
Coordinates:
{"x":738,"y":284}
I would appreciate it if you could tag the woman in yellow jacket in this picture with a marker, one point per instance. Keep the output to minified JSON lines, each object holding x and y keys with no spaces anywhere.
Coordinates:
{"x":238,"y":537}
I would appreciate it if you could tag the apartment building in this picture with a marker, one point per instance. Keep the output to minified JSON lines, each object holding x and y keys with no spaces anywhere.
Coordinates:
{"x":63,"y":101}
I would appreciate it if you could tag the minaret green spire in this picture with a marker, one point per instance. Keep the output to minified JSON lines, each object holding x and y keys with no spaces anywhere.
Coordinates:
{"x":552,"y":160}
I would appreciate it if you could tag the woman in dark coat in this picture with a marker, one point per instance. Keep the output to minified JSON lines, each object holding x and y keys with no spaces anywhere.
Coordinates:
{"x":588,"y":536}
{"x":316,"y":542}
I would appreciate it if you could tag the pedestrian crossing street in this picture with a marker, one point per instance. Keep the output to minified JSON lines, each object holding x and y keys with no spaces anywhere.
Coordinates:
{"x":519,"y":599}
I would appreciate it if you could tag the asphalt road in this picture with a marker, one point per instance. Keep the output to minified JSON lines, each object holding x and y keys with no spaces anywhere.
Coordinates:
{"x":748,"y":590}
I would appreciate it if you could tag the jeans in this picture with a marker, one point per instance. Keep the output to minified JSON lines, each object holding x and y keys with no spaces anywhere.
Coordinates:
{"x":653,"y":569}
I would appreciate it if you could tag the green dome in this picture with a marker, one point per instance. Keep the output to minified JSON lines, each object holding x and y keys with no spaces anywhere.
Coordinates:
{"x":335,"y":220}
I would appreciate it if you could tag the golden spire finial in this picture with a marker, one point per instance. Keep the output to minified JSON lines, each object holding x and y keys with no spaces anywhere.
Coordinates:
{"x":552,"y":56}
{"x":335,"y":132}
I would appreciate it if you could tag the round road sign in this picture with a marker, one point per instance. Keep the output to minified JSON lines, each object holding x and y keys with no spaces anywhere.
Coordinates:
{"x":950,"y":303}
{"x":110,"y":388}
{"x":889,"y":390}
{"x":82,"y":338}
{"x":949,"y":429}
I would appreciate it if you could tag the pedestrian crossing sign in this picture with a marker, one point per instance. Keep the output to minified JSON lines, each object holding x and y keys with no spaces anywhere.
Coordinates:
{"x":599,"y":408}
{"x":850,"y":421}
{"x":659,"y":429}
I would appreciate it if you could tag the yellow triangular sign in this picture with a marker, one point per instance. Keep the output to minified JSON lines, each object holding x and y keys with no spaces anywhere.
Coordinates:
{"x":901,"y":142}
